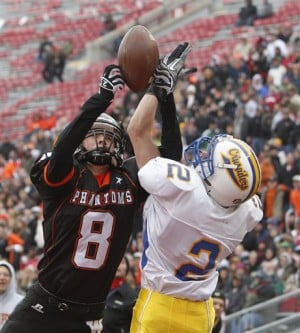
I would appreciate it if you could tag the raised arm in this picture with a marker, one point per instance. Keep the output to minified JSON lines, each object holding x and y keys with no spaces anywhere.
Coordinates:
{"x":171,"y":143}
{"x":160,"y":91}
{"x":61,"y":161}
{"x":139,"y":130}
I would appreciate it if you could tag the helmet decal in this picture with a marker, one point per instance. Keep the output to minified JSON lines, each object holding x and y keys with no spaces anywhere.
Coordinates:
{"x":254,"y":165}
{"x":238,"y":174}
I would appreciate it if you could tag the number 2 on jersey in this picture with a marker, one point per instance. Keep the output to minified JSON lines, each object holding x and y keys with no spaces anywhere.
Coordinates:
{"x":94,"y":240}
{"x":191,"y":271}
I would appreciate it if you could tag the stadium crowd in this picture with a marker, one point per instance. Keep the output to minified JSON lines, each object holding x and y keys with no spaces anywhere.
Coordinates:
{"x":253,"y":94}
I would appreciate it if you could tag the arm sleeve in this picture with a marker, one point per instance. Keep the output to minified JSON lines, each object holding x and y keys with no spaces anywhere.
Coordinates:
{"x":61,"y":162}
{"x":171,"y":144}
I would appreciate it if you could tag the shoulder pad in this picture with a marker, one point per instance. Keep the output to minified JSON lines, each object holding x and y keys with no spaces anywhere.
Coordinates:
{"x":183,"y":177}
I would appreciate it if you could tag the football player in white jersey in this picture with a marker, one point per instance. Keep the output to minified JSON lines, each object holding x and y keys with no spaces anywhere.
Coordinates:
{"x":197,"y":213}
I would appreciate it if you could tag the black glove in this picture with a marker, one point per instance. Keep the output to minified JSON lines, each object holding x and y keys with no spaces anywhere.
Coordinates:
{"x":168,"y":70}
{"x":110,"y":82}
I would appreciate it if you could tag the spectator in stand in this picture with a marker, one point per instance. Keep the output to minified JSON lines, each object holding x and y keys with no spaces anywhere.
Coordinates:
{"x":265,"y":10}
{"x":109,"y":24}
{"x":27,"y":277}
{"x":285,"y":128}
{"x":241,"y":124}
{"x":237,"y":295}
{"x":277,"y":156}
{"x":49,"y":66}
{"x":270,"y":254}
{"x":12,"y":164}
{"x":294,"y":199}
{"x":230,"y":102}
{"x":119,"y":302}
{"x":9,"y":297}
{"x":210,"y":81}
{"x":289,"y":170}
{"x":258,"y":62}
{"x":247,"y":14}
{"x":54,"y":66}
{"x":190,"y":95}
{"x":212,"y":129}
{"x":274,"y":229}
{"x":262,"y":237}
{"x":236,"y":298}
{"x":297,"y":153}
{"x":285,"y":31}
{"x":222,"y":69}
{"x":224,"y":278}
{"x":6,"y":146}
{"x":197,"y":114}
{"x":253,"y":261}
{"x":45,"y":46}
{"x":260,"y":88}
{"x":291,"y":221}
{"x":273,"y":43}
{"x":259,"y":129}
{"x":60,"y":58}
{"x":11,"y":244}
{"x":243,"y":47}
{"x":294,"y":47}
{"x":273,"y":198}
{"x":287,"y":271}
{"x":224,"y":123}
{"x":277,"y":72}
{"x":189,"y":131}
{"x":240,"y":73}
{"x":219,"y":301}
{"x":261,"y":288}
{"x":293,"y":89}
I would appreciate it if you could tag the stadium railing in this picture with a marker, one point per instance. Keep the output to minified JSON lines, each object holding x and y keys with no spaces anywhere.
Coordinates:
{"x":279,"y":314}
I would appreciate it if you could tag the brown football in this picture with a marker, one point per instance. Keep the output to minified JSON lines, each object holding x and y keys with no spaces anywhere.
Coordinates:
{"x":138,"y":57}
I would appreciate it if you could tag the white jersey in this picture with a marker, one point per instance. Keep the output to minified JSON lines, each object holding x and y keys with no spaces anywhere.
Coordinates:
{"x":186,"y":233}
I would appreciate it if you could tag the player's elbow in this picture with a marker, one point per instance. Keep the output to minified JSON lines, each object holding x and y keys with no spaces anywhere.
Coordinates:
{"x":134,"y":131}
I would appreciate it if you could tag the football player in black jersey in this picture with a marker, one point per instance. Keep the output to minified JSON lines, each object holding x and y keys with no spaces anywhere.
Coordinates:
{"x":90,"y":196}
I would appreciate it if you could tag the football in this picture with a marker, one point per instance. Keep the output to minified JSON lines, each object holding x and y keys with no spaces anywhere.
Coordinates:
{"x":138,"y":57}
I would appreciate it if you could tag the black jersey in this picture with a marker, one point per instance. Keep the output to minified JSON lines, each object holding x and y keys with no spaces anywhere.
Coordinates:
{"x":83,"y":223}
{"x":87,"y":226}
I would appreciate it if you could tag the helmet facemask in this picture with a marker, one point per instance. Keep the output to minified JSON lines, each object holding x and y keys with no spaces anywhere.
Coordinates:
{"x":103,"y":153}
{"x":199,"y":155}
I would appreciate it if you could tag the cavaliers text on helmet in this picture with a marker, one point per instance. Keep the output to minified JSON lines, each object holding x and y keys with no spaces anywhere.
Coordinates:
{"x":228,"y":166}
{"x":101,"y":155}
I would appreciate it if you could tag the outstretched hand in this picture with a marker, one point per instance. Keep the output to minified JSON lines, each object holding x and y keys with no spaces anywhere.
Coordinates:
{"x":169,"y":69}
{"x":110,"y":82}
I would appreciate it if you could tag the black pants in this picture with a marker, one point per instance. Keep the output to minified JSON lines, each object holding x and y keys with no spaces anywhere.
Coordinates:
{"x":40,"y":312}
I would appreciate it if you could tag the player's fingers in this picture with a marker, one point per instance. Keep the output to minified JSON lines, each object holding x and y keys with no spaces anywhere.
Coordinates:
{"x":187,"y":49}
{"x":187,"y":71}
{"x":180,"y":50}
{"x":175,"y":53}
